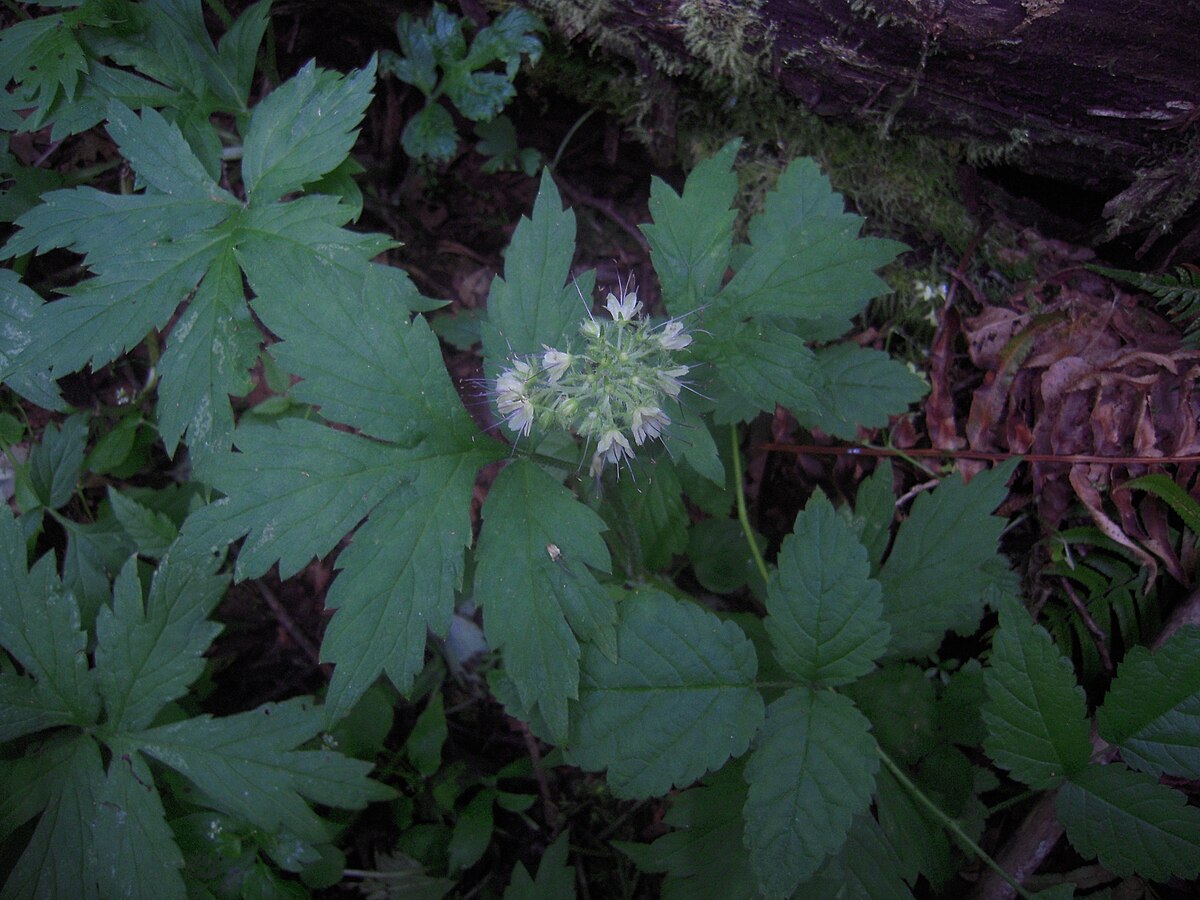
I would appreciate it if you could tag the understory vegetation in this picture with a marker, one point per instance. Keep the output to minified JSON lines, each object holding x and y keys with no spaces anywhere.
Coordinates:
{"x":396,"y":508}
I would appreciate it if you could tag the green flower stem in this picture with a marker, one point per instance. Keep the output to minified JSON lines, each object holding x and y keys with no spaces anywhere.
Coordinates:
{"x":949,"y":824}
{"x":743,"y":517}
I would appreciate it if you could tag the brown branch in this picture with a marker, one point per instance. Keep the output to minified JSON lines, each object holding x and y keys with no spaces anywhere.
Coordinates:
{"x":931,"y":453}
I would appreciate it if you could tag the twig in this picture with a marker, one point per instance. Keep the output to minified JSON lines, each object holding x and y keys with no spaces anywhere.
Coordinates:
{"x":933,"y":453}
{"x":1100,"y":638}
{"x":288,"y":623}
{"x":604,"y":206}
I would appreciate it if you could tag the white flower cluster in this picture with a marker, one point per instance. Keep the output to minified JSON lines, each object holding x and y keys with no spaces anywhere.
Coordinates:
{"x":611,"y":391}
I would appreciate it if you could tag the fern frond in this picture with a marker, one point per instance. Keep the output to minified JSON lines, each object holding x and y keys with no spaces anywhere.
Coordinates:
{"x":1178,"y":293}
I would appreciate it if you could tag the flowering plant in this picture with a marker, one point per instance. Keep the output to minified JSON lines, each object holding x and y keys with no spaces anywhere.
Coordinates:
{"x":618,"y":382}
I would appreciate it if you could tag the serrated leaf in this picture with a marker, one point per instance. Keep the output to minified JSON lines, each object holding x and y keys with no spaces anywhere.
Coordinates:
{"x":297,"y":488}
{"x":874,"y":509}
{"x":95,"y":552}
{"x":398,"y":580}
{"x":151,"y":531}
{"x":692,"y":232}
{"x":40,"y":627}
{"x":678,"y":701}
{"x":136,"y":853}
{"x":857,"y":386}
{"x":939,"y":574}
{"x":900,"y":702}
{"x":1152,"y":711}
{"x":512,"y":35}
{"x":156,"y":150}
{"x":806,"y":263}
{"x":824,"y":610}
{"x":653,"y":506}
{"x":56,"y":463}
{"x":529,"y":596}
{"x":704,"y":858}
{"x":238,"y":48}
{"x":44,"y":57}
{"x":919,"y":842}
{"x":866,"y":868}
{"x":18,"y":304}
{"x":1036,"y":714}
{"x":303,"y":129}
{"x":1131,"y":823}
{"x":811,"y":774}
{"x":149,"y":654}
{"x":247,"y":765}
{"x":208,"y":355}
{"x":688,"y":436}
{"x":758,"y":365}
{"x":532,"y":304}
{"x":479,"y":96}
{"x":59,"y":859}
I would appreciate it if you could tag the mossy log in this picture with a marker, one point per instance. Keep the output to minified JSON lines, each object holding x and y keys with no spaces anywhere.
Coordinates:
{"x":1103,"y":96}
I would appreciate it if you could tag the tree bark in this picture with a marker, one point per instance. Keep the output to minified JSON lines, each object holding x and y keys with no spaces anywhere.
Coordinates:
{"x":1098,"y":94}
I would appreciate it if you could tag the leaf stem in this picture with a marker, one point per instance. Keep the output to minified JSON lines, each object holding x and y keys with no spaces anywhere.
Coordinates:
{"x":948,"y":823}
{"x":740,"y":493}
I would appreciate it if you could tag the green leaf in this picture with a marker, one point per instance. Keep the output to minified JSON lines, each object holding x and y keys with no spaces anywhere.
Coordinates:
{"x":757,"y":366}
{"x":691,"y":236}
{"x":721,"y":557}
{"x":59,"y":859}
{"x":532,"y":304}
{"x":430,"y":134}
{"x":653,"y":506}
{"x":857,"y":386}
{"x":866,"y":868}
{"x":678,"y":701}
{"x":1152,"y":711}
{"x":428,"y":737}
{"x":812,"y":773}
{"x":704,"y":858}
{"x":247,"y":766}
{"x":44,"y":57}
{"x":152,"y":531}
{"x":874,"y":509}
{"x":303,"y":129}
{"x":529,"y":596}
{"x":1036,"y":714}
{"x":941,"y":570}
{"x":919,"y":841}
{"x":135,"y":847}
{"x":824,"y":611}
{"x":479,"y":96}
{"x":208,"y":355}
{"x":297,"y":488}
{"x":806,"y":262}
{"x":39,"y":626}
{"x":688,"y":436}
{"x":555,"y":878}
{"x":1167,"y":489}
{"x":1131,"y":823}
{"x":472,"y":832}
{"x":156,"y":150}
{"x":56,"y":463}
{"x":148,"y":654}
{"x":18,"y":304}
{"x":900,"y":703}
{"x":238,"y":48}
{"x":398,"y":581}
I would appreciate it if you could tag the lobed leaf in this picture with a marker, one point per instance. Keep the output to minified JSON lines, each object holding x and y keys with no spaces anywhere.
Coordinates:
{"x":811,"y":774}
{"x":678,"y":700}
{"x":758,"y":364}
{"x":856,"y":386}
{"x":303,"y":129}
{"x":941,"y":570}
{"x":157,"y":151}
{"x":532,"y":304}
{"x":530,"y":593}
{"x":824,"y":611}
{"x":1036,"y":714}
{"x":18,"y":304}
{"x":1131,"y":823}
{"x":1152,"y":711}
{"x":692,"y":233}
{"x":247,"y":765}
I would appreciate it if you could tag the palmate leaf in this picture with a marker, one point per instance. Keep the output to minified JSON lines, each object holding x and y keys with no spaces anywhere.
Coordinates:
{"x":755,"y":365}
{"x":537,"y":592}
{"x":811,"y":774}
{"x":678,"y":700}
{"x":532,"y":304}
{"x":1036,"y":714}
{"x":824,"y":612}
{"x":18,"y":304}
{"x":1133,"y":824}
{"x":807,"y":261}
{"x":691,"y":236}
{"x":246,"y":765}
{"x":1152,"y":711}
{"x":149,"y":252}
{"x":944,"y":564}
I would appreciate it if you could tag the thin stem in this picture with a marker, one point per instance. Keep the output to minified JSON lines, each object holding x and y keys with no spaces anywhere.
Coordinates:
{"x":743,"y":517}
{"x":562,"y":146}
{"x":949,"y":824}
